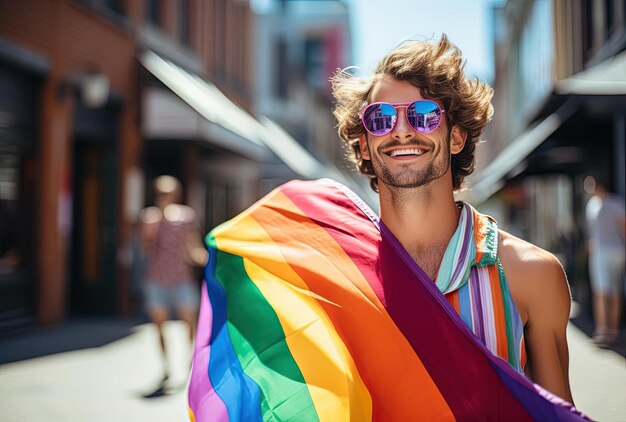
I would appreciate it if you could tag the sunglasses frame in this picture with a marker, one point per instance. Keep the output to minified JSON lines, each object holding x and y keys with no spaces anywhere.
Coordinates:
{"x":396,"y":106}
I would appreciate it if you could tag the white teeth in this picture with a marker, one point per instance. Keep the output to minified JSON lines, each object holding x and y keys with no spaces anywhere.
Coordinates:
{"x":412,"y":151}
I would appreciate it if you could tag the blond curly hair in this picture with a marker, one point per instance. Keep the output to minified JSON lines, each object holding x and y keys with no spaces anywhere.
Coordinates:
{"x":436,"y":68}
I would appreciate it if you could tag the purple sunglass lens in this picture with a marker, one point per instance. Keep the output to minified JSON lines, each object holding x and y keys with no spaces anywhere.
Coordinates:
{"x":424,"y":116}
{"x":380,"y":119}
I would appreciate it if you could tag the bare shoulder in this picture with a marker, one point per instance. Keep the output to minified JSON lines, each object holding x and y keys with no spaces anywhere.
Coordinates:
{"x":519,"y":254}
{"x":535,"y":276}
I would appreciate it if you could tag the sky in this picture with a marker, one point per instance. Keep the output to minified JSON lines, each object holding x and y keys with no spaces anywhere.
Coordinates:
{"x":379,"y":26}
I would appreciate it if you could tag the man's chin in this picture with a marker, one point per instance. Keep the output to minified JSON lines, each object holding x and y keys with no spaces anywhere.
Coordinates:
{"x":407,"y":183}
{"x":410,"y":180}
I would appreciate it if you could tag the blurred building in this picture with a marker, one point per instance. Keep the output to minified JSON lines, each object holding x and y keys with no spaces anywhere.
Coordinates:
{"x":560,"y":110}
{"x":97,"y":98}
{"x":69,"y":138}
{"x":298,"y":46}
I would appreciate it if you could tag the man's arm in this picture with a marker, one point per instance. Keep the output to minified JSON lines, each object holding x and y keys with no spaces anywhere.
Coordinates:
{"x":541,"y":292}
{"x":545,"y":331}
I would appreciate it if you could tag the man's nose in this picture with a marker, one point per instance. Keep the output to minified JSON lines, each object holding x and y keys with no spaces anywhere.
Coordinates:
{"x":403,"y":129}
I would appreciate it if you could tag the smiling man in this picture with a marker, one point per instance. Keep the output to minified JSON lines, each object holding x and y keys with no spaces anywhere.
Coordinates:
{"x":412,"y":128}
{"x":315,"y":308}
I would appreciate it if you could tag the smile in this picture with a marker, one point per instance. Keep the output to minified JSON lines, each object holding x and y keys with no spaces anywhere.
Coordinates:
{"x":406,"y":152}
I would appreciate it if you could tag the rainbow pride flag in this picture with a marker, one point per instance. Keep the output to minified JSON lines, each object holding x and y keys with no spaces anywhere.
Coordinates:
{"x":312,"y":310}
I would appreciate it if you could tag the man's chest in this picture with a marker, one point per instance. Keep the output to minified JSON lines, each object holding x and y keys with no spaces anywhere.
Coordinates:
{"x":429,"y":258}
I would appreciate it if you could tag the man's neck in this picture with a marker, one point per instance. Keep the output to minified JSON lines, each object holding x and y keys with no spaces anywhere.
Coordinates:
{"x":422,"y":219}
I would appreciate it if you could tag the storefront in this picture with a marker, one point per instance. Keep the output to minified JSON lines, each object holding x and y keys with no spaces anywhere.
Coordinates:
{"x":21,"y":77}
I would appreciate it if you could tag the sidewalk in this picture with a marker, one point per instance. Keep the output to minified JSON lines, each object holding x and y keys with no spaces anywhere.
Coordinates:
{"x":107,"y":378}
{"x":106,"y":383}
{"x":597,"y":378}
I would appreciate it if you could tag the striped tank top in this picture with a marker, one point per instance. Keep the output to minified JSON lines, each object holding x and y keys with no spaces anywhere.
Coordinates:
{"x":473,"y":281}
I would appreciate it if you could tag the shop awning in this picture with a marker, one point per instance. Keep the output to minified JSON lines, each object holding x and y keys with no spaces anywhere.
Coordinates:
{"x":218,"y":110}
{"x":224,"y":123}
{"x":511,"y":161}
{"x":606,"y":78}
{"x":221,"y":121}
{"x":166,"y":116}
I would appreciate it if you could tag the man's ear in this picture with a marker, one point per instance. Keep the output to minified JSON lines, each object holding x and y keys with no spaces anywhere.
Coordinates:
{"x":365,"y":152}
{"x":458,"y":137}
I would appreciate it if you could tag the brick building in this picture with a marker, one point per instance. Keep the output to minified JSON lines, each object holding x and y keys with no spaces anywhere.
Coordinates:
{"x":98,"y":97}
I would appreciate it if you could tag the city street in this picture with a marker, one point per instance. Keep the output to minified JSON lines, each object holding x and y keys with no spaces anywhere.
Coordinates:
{"x":111,"y":373}
{"x":130,"y":129}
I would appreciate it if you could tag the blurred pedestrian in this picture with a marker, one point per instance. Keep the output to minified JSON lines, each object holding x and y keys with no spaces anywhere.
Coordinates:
{"x":606,"y":220}
{"x":171,"y":245}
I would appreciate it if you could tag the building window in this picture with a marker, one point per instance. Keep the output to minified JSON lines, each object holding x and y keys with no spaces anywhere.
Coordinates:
{"x":10,"y":245}
{"x":219,"y":37}
{"x":17,"y":200}
{"x":183,"y":22}
{"x":114,"y":6}
{"x":153,"y":9}
{"x":241,"y":36}
{"x":281,"y":81}
{"x":314,"y":63}
{"x":110,"y":9}
{"x":609,"y":10}
{"x":587,"y":29}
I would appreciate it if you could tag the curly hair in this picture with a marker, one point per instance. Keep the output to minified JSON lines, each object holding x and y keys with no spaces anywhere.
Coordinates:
{"x":437,"y":69}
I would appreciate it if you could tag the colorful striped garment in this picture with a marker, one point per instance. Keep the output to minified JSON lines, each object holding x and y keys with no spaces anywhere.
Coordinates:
{"x":472,"y":279}
{"x":312,"y":310}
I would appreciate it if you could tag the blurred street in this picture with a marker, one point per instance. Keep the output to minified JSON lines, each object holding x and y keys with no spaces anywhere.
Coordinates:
{"x":110,"y":366}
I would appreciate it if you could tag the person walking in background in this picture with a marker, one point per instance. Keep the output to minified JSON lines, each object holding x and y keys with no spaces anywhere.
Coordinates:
{"x":171,"y":244}
{"x":607,"y":253}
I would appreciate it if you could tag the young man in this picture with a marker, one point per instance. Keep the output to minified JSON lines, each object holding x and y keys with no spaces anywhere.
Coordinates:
{"x":416,"y":164}
{"x":315,"y":308}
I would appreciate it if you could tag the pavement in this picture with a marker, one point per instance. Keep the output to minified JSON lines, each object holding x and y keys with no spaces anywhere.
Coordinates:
{"x":110,"y":370}
{"x":597,"y":378}
{"x":115,"y":381}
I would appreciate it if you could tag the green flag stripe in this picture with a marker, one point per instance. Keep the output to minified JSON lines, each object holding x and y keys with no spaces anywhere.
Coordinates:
{"x":260,"y":345}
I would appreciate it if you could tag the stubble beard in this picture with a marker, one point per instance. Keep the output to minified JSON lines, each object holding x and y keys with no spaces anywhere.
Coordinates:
{"x":408,"y":177}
